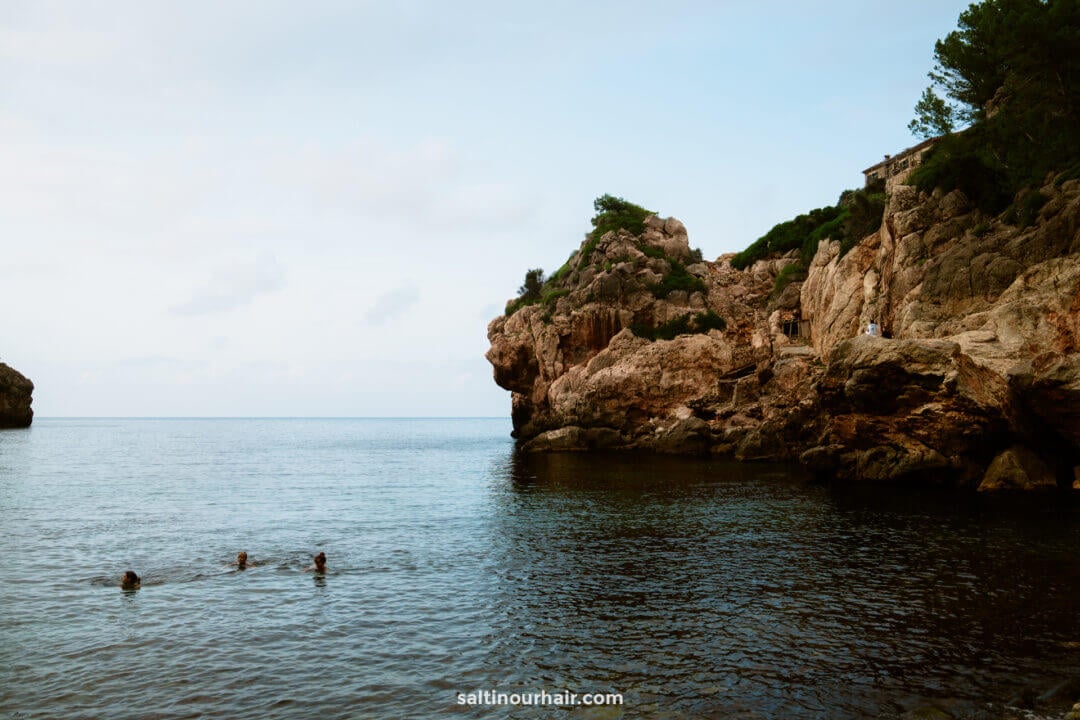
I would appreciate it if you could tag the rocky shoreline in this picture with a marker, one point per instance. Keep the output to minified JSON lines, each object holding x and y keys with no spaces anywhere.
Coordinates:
{"x":16,"y":392}
{"x":640,"y":345}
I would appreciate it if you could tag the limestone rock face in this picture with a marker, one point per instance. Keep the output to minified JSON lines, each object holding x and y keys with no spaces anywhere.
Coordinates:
{"x":1017,"y":469}
{"x":1006,"y":298}
{"x":937,"y":267}
{"x":584,"y":357}
{"x":981,"y":349}
{"x":907,"y":409}
{"x":836,"y":293}
{"x":15,"y":398}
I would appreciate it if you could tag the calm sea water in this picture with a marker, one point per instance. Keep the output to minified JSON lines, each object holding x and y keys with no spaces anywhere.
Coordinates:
{"x":695,"y":588}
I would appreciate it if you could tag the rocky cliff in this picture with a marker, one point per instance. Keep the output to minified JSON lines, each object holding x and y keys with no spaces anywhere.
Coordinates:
{"x":15,"y":398}
{"x":637,"y":344}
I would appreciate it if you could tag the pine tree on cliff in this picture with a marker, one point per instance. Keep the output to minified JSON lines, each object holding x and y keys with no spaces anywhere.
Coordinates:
{"x":534,"y":283}
{"x":1011,"y":74}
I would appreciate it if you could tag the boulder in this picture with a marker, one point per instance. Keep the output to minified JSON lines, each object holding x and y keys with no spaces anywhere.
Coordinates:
{"x":1049,"y":387}
{"x":564,"y":439}
{"x":16,"y":395}
{"x":1017,"y":468}
{"x":901,"y":410}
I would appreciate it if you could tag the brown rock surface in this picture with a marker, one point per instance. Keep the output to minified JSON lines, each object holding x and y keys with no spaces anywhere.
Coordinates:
{"x":1017,"y":469}
{"x":907,"y":409}
{"x":982,"y":353}
{"x":15,"y":398}
{"x":575,"y":362}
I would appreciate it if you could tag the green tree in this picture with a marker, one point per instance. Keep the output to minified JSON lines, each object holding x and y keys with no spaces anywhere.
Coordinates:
{"x":933,"y":116}
{"x":533,"y":286}
{"x":614,"y":213}
{"x":1011,"y":71}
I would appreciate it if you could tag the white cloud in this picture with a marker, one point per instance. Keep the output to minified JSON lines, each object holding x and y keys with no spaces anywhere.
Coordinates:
{"x":391,"y":304}
{"x":165,"y":166}
{"x":425,"y":184}
{"x":56,"y":46}
{"x":234,"y":286}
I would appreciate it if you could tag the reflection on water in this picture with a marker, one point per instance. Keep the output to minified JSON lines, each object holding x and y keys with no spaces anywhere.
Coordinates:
{"x":703,"y":587}
{"x":695,"y":588}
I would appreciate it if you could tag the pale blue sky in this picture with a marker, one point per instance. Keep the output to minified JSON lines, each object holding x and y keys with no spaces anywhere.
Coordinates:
{"x":280,"y":208}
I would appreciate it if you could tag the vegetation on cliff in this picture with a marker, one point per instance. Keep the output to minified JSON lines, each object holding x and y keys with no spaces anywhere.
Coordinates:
{"x":978,"y":385}
{"x":688,"y":324}
{"x":678,"y":279}
{"x":1011,"y":73}
{"x":535,"y":290}
{"x":612,"y":215}
{"x":856,"y":214}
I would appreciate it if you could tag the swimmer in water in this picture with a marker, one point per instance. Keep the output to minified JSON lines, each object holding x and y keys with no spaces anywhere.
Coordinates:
{"x":130,"y":581}
{"x":320,"y":563}
{"x":241,"y":560}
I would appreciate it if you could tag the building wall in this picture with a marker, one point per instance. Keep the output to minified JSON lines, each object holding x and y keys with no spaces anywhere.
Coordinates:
{"x":896,"y":170}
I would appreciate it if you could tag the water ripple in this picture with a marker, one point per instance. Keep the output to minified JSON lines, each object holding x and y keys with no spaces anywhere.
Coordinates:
{"x":697,"y":589}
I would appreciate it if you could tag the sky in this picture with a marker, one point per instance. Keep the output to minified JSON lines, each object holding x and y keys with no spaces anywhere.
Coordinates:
{"x":314,"y":209}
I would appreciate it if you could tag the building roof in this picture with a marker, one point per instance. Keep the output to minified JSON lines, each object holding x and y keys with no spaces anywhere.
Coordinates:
{"x":902,"y":154}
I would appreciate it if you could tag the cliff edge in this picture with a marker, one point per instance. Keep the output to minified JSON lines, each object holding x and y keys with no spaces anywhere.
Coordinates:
{"x":638,"y":344}
{"x":15,"y":398}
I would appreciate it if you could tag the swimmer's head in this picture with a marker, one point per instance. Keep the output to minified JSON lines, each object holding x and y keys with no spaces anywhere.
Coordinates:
{"x":320,"y":561}
{"x":241,"y":559}
{"x":129,"y":580}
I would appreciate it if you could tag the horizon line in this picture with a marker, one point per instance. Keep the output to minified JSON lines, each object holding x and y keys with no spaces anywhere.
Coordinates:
{"x":271,"y":417}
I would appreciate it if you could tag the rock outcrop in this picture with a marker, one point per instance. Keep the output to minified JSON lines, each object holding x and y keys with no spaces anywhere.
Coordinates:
{"x":977,"y":382}
{"x":15,"y":398}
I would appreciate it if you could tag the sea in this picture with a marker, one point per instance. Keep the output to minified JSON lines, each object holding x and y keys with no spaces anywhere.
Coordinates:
{"x":463,"y":576}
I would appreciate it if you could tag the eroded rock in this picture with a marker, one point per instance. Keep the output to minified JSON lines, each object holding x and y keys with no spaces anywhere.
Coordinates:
{"x":16,"y":395}
{"x":1017,"y":469}
{"x":982,"y":350}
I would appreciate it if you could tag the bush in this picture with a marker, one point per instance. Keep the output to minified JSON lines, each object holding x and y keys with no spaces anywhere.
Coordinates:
{"x":514,"y":305}
{"x":857,"y":214}
{"x":614,"y":213}
{"x":754,"y":252}
{"x":534,"y":281}
{"x":833,"y":229}
{"x":677,"y":279}
{"x":791,"y":273}
{"x":530,"y":291}
{"x":963,"y":162}
{"x":1028,"y":212}
{"x":688,"y":324}
{"x":709,"y":320}
{"x":552,"y":295}
{"x":863,"y":216}
{"x":786,"y":236}
{"x":562,"y":272}
{"x":651,"y":250}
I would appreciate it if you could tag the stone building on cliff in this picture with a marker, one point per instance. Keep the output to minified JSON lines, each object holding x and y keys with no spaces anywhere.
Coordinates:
{"x":894,"y":169}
